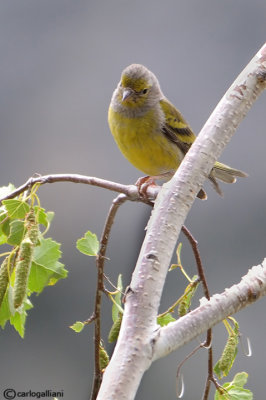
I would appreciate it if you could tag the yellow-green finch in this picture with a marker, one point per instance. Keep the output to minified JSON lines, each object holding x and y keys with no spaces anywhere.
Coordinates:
{"x":150,"y":132}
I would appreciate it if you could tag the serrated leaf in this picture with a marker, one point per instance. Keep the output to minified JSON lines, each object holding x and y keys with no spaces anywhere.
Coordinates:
{"x":240,"y":379}
{"x":88,"y":244}
{"x":41,"y":276}
{"x":16,"y":233}
{"x":165,"y":319}
{"x":46,"y":269}
{"x":43,"y":217}
{"x":19,"y":318}
{"x":234,"y":393}
{"x":18,"y":321}
{"x":234,"y":390}
{"x":16,"y":208}
{"x":47,"y":253}
{"x":77,"y":326}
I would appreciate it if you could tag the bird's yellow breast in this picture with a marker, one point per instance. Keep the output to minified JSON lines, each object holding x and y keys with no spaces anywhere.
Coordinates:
{"x":142,"y":142}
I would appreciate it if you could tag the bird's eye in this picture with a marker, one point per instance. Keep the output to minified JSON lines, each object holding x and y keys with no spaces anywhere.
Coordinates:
{"x":144,"y":91}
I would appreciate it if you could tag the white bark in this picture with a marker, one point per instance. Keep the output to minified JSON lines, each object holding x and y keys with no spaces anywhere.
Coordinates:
{"x":185,"y":329}
{"x":140,"y":340}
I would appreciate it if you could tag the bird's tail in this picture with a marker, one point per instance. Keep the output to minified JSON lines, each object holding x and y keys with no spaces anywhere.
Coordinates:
{"x":225,"y":174}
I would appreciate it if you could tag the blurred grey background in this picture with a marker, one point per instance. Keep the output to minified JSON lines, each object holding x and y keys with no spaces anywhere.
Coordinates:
{"x":60,"y":62}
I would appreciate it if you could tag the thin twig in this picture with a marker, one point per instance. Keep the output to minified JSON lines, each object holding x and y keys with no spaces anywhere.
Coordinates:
{"x":99,"y":290}
{"x":131,"y":191}
{"x":194,"y":351}
{"x":210,"y":376}
{"x":194,"y":245}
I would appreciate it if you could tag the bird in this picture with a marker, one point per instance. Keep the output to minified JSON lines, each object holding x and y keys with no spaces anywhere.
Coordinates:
{"x":151,"y":132}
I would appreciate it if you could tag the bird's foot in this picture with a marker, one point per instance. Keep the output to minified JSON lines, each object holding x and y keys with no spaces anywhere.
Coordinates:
{"x":144,"y":183}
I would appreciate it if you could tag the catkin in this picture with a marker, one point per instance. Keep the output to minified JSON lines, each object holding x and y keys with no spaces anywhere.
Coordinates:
{"x":228,"y":355}
{"x":32,"y":227}
{"x":186,"y":301}
{"x":115,"y":329}
{"x":22,"y":271}
{"x":4,"y":275}
{"x":104,"y":358}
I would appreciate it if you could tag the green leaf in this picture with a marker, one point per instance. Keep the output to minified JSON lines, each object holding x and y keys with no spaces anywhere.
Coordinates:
{"x":5,"y":225}
{"x":47,"y":253}
{"x":16,"y":233}
{"x":240,"y":379}
{"x":77,"y":326}
{"x":39,"y":277}
{"x":43,"y":217}
{"x":115,"y":329}
{"x":3,"y":238}
{"x":234,"y":390}
{"x":165,"y":319}
{"x":16,"y":208}
{"x":4,"y":311}
{"x":8,"y":313}
{"x":49,"y":216}
{"x":18,"y":321}
{"x":19,"y":318}
{"x":46,"y":269}
{"x":117,"y":299}
{"x":89,"y":244}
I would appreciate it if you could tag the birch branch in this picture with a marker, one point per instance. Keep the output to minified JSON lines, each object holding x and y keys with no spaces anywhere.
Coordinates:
{"x":134,"y":350}
{"x":176,"y":334}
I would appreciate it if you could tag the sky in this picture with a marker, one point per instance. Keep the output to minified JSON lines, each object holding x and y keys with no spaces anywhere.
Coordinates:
{"x":60,"y":62}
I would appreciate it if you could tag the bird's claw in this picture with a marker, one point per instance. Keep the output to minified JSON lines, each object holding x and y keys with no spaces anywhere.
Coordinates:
{"x":144,"y":183}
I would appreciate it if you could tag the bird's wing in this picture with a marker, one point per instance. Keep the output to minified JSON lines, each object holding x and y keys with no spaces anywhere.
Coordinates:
{"x":175,"y":127}
{"x":178,"y":131}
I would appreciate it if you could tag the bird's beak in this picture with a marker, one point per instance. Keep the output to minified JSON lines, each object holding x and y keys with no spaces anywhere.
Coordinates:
{"x":126,"y":93}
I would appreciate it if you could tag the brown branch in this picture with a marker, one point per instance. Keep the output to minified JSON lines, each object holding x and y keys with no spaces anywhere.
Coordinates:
{"x":117,"y":202}
{"x":131,"y":191}
{"x":180,"y":365}
{"x":194,"y":245}
{"x":210,"y":376}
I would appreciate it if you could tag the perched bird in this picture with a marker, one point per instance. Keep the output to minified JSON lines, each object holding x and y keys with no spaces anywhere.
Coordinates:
{"x":151,"y":133}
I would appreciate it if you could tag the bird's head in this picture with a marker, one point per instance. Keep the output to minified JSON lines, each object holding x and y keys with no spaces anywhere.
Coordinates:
{"x":138,"y":88}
